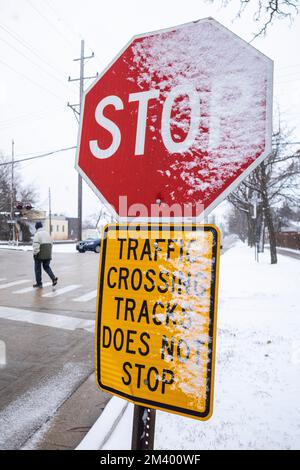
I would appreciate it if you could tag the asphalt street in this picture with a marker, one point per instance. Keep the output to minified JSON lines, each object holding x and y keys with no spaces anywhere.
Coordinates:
{"x":286,"y":252}
{"x":74,"y":294}
{"x":46,"y":339}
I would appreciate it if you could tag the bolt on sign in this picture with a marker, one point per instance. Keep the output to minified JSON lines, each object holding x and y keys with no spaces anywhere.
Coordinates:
{"x":156,"y":321}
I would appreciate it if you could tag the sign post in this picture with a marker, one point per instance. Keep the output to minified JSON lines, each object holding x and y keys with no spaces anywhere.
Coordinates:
{"x":143,"y":428}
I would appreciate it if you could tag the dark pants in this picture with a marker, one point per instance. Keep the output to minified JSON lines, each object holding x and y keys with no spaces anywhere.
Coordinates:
{"x":38,"y":269}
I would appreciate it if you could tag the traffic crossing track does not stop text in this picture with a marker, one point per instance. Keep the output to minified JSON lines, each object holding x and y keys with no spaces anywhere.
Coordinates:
{"x":156,"y":322}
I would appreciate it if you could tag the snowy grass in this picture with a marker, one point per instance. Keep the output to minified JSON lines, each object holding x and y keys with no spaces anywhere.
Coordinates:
{"x":257,"y":383}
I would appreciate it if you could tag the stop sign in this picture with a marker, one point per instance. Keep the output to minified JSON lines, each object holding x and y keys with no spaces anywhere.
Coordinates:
{"x":177,"y":120}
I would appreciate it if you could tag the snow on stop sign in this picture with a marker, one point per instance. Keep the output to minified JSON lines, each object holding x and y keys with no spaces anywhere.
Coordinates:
{"x":176,"y":121}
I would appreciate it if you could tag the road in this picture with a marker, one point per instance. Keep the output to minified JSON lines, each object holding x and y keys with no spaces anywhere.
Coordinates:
{"x":46,"y":339}
{"x":287,"y":252}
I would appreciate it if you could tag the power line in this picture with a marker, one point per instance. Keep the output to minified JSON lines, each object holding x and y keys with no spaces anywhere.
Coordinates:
{"x":288,"y":66}
{"x":29,"y":117}
{"x":28,"y":121}
{"x":49,"y":74}
{"x":285,"y":82}
{"x":51,"y":24}
{"x":77,"y":109}
{"x":287,"y":75}
{"x":289,"y":143}
{"x":33,"y":51}
{"x":60,"y":18}
{"x":74,"y":147}
{"x":32,"y":81}
{"x":24,"y":154}
{"x":76,"y":33}
{"x":38,"y":156}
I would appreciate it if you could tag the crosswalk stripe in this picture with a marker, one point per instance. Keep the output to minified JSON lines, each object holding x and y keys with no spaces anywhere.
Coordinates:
{"x":31,"y":289}
{"x":46,"y":319}
{"x":2,"y":279}
{"x":14,"y":283}
{"x":61,"y":291}
{"x":86,"y":297}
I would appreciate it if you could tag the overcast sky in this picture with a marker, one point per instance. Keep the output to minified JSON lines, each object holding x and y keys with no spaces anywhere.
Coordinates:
{"x":39,"y":40}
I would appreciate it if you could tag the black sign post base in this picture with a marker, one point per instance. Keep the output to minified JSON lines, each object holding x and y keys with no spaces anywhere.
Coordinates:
{"x":143,"y":428}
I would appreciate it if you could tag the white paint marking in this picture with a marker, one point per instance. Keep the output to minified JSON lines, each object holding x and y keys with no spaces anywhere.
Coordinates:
{"x":14,"y":283}
{"x":2,"y":279}
{"x":46,"y":319}
{"x":86,"y":297}
{"x":61,"y":291}
{"x":31,"y":289}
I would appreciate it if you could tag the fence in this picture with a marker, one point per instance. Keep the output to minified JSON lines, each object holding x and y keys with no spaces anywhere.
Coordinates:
{"x":288,"y":240}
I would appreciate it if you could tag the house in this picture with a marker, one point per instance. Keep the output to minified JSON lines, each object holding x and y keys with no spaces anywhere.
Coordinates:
{"x":58,"y":227}
{"x":25,"y":226}
{"x":289,"y":236}
{"x":72,"y":228}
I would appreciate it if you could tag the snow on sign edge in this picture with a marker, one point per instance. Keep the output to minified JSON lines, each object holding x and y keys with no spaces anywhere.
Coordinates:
{"x":237,"y":181}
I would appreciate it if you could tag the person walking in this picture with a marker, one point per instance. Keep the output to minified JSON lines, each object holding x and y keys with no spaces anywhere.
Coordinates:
{"x":42,"y":254}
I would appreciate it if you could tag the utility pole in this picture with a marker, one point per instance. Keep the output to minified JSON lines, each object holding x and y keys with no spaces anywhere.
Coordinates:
{"x":12,"y":194}
{"x":77,"y":108}
{"x":50,"y":221}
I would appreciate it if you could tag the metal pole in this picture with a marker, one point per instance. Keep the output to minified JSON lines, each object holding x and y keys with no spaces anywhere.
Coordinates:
{"x":77,"y":113}
{"x":143,"y":428}
{"x":80,"y":109}
{"x":50,"y":215}
{"x":12,"y":198}
{"x":263,"y":234}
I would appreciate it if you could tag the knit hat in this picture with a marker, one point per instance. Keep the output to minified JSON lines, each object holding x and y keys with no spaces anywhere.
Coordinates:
{"x":38,"y":225}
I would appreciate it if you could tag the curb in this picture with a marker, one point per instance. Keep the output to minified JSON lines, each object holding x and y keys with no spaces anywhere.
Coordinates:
{"x":16,"y":248}
{"x":105,"y":425}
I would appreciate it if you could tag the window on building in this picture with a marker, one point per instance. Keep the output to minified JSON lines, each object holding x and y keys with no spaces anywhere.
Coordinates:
{"x":57,"y":228}
{"x":63,"y":228}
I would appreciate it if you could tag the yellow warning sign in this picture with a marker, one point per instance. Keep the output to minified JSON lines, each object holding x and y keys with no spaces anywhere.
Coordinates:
{"x":156,"y":321}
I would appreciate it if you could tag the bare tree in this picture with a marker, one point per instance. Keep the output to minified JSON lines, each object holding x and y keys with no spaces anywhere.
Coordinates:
{"x":266,"y":11}
{"x":237,"y":223}
{"x":23,"y":194}
{"x":101,"y":216}
{"x":272,"y":183}
{"x":4,"y":186}
{"x":242,"y":200}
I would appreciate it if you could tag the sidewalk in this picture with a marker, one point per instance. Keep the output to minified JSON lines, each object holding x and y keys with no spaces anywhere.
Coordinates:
{"x":72,"y":421}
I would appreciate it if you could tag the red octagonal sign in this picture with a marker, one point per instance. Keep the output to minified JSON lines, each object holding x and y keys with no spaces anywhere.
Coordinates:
{"x":176,"y":121}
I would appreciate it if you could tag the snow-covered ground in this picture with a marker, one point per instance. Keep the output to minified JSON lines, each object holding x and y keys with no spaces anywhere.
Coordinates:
{"x":257,"y":384}
{"x":57,"y":247}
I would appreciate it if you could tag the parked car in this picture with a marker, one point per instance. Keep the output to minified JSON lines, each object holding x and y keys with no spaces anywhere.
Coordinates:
{"x":90,"y":244}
